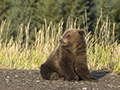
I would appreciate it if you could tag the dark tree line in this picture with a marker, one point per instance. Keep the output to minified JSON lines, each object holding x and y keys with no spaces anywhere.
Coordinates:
{"x":36,"y":11}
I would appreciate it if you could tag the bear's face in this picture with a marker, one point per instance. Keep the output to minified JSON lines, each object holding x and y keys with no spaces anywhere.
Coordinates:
{"x":72,"y":37}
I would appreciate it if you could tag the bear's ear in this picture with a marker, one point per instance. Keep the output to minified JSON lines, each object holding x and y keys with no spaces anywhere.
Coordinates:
{"x":82,"y":32}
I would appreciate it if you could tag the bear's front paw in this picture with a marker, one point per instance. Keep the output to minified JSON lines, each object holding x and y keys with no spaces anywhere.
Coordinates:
{"x":72,"y":78}
{"x":54,"y":76}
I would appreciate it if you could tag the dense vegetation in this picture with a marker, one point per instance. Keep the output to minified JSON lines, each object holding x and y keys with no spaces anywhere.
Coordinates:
{"x":40,"y":12}
{"x":30,"y":29}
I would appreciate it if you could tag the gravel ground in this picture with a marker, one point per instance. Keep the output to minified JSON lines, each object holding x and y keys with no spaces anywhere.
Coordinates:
{"x":31,"y":80}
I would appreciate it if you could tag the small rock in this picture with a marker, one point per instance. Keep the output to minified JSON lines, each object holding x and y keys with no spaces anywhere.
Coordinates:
{"x":8,"y":76}
{"x":26,"y":81}
{"x":29,"y":73}
{"x":82,"y":83}
{"x":37,"y":81}
{"x":4,"y":71}
{"x":23,"y":84}
{"x":16,"y":75}
{"x":7,"y":80}
{"x":84,"y":88}
{"x":18,"y":80}
{"x":33,"y":76}
{"x":18,"y":87}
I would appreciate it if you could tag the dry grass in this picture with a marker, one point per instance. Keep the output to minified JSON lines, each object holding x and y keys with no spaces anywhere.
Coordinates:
{"x":102,"y":50}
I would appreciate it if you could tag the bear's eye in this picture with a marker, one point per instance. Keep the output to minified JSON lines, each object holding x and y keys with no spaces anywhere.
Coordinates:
{"x":68,"y":36}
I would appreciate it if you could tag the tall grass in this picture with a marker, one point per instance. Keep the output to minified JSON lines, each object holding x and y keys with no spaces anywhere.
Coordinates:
{"x":102,"y":49}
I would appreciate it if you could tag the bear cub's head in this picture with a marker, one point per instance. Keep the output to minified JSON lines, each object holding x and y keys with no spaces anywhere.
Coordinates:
{"x":72,"y":37}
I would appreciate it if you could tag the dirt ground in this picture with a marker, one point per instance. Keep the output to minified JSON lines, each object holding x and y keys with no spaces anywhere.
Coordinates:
{"x":31,"y":80}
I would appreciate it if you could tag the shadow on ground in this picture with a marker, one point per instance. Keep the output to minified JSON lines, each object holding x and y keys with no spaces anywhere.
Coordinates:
{"x":100,"y":73}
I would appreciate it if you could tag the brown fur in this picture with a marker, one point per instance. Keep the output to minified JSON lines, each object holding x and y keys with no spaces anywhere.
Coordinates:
{"x":69,"y":59}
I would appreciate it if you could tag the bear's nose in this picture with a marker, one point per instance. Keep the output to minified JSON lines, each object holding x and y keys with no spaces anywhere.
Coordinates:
{"x":61,"y":40}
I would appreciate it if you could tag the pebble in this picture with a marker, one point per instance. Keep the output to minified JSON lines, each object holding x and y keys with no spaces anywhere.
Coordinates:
{"x":26,"y":81}
{"x":37,"y":80}
{"x":84,"y":88}
{"x":16,"y":75}
{"x":29,"y":73}
{"x":7,"y":80}
{"x":82,"y":83}
{"x":23,"y":84}
{"x":8,"y":76}
{"x":18,"y":80}
{"x":33,"y":76}
{"x":4,"y":71}
{"x":18,"y":87}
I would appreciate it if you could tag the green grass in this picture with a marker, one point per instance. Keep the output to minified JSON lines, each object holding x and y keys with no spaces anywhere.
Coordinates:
{"x":102,"y":49}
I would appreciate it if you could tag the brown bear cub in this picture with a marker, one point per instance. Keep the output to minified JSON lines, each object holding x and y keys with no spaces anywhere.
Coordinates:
{"x":69,"y":59}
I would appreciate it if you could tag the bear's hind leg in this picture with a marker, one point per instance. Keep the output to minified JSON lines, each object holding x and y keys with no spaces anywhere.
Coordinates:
{"x":47,"y":73}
